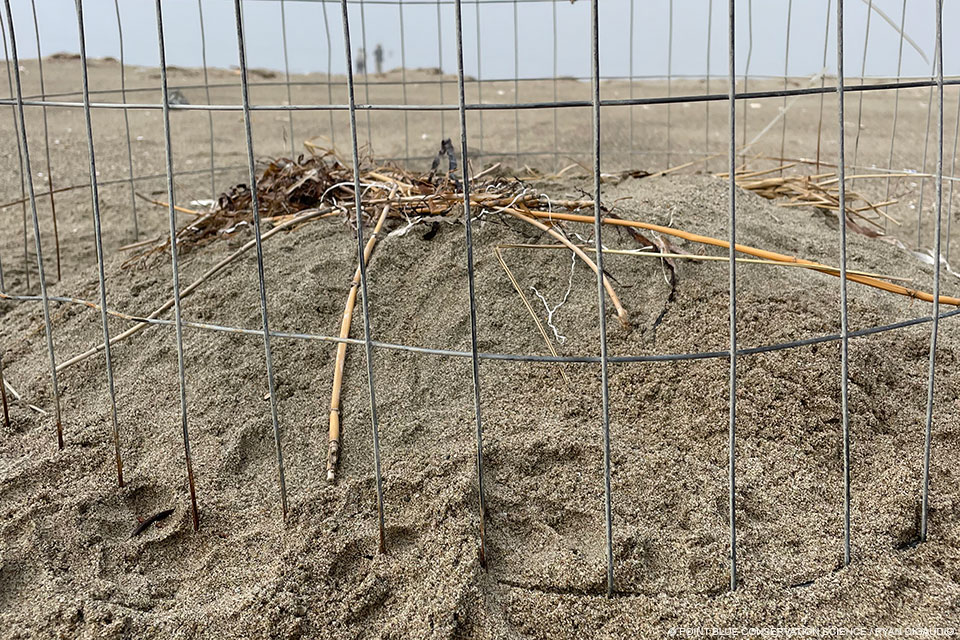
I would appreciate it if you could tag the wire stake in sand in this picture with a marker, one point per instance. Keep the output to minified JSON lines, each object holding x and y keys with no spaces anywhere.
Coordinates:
{"x":333,"y":448}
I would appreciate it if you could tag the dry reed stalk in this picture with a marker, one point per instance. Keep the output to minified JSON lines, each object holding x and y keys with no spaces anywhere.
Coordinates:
{"x":140,"y":244}
{"x":19,"y":398}
{"x":166,"y":205}
{"x":516,"y":285}
{"x":813,"y":191}
{"x":166,"y":306}
{"x":622,"y":313}
{"x":759,"y":253}
{"x":333,"y":447}
{"x":698,"y":258}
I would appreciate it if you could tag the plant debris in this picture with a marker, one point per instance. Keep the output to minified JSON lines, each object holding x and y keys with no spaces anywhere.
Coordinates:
{"x":820,"y":191}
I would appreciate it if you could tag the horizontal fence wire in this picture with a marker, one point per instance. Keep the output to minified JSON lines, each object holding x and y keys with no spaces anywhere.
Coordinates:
{"x":502,"y":106}
{"x":508,"y":357}
{"x":426,"y":82}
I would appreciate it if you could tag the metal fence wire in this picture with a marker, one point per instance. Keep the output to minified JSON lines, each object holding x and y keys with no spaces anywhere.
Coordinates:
{"x":349,"y":28}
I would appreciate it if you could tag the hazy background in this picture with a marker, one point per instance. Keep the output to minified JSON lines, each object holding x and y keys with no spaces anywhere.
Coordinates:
{"x":428,"y":36}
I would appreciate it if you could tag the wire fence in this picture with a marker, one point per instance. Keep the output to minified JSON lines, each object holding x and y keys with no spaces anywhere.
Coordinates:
{"x":354,"y":94}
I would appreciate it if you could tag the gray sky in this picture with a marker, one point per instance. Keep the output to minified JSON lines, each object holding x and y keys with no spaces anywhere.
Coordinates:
{"x":532,"y":55}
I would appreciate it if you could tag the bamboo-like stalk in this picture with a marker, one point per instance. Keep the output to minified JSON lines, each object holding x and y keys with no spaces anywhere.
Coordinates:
{"x":759,"y":253}
{"x":622,"y":313}
{"x":333,"y":447}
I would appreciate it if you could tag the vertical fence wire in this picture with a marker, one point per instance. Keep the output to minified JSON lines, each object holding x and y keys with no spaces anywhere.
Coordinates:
{"x":98,"y":240}
{"x":746,"y":73}
{"x":286,"y":78}
{"x":844,"y":324}
{"x":364,"y":299}
{"x":598,"y":246}
{"x":46,"y":139}
{"x":863,"y":73}
{"x":476,"y":8}
{"x":255,"y":208}
{"x":326,"y":28}
{"x":23,"y":187}
{"x":443,"y":120}
{"x":786,"y":76}
{"x":206,"y":87}
{"x":3,"y":289}
{"x":516,"y":77}
{"x":126,"y":125}
{"x":556,"y":92}
{"x":669,"y":80}
{"x":632,"y":108}
{"x":732,"y":253}
{"x":926,"y":147}
{"x":896,"y":104}
{"x":823,"y":79}
{"x":175,"y":267}
{"x":471,"y":289}
{"x":25,"y":147}
{"x":953,"y":172}
{"x":403,"y":84}
{"x":706,"y":139}
{"x":924,"y":509}
{"x":366,"y":77}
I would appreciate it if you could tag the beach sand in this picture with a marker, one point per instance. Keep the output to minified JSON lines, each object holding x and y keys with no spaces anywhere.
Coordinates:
{"x":70,"y":568}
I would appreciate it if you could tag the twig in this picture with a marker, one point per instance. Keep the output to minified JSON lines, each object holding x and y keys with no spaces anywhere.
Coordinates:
{"x":486,"y":172}
{"x":166,"y":205}
{"x":621,"y":311}
{"x":754,"y":174}
{"x":516,"y":285}
{"x":3,"y":394}
{"x":140,"y":244}
{"x":304,"y":217}
{"x":157,"y":517}
{"x":17,"y":397}
{"x":333,"y":447}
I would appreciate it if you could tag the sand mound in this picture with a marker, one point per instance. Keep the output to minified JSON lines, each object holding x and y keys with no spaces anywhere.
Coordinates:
{"x":70,"y":567}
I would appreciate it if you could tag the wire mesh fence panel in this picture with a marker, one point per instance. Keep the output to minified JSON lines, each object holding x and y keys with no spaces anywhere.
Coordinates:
{"x":246,"y":122}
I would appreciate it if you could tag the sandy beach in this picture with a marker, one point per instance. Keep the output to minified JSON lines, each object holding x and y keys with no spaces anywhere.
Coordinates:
{"x":70,"y":568}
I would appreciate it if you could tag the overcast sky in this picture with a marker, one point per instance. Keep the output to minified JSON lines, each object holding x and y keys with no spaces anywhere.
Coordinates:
{"x":532,"y":55}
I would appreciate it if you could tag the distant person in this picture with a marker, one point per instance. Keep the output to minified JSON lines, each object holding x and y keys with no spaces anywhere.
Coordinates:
{"x":378,"y":58}
{"x":361,"y":62}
